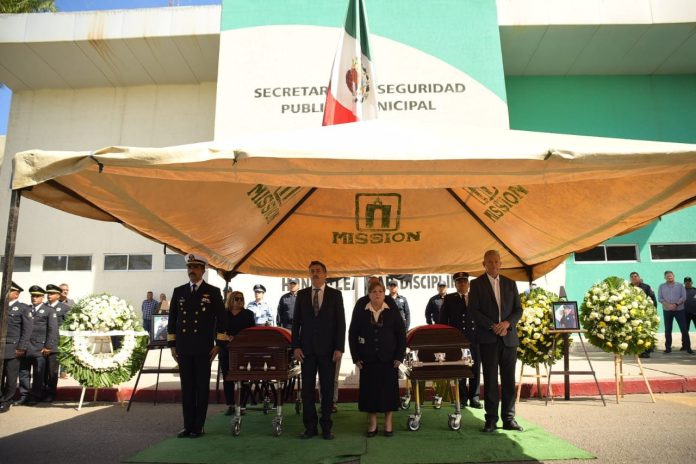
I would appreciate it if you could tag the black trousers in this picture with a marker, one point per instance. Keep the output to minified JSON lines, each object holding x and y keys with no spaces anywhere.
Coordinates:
{"x":31,"y":377}
{"x":312,"y":365}
{"x":52,"y":374}
{"x":690,"y":317}
{"x":10,"y":373}
{"x":498,"y":357}
{"x":194,"y":373}
{"x":470,"y":388}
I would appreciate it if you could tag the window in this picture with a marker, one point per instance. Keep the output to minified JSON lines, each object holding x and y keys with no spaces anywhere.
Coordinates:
{"x":173,"y":261}
{"x":674,"y":251}
{"x":605,"y":253}
{"x":21,"y":264}
{"x":127,"y":262}
{"x":67,"y":263}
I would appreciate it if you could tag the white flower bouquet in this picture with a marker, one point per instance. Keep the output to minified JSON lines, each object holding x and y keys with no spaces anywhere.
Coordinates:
{"x":619,"y":317}
{"x":89,"y":318}
{"x":533,"y":328}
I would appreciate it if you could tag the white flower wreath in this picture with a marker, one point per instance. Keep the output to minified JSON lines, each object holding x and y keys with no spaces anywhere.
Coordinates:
{"x":101,"y":316}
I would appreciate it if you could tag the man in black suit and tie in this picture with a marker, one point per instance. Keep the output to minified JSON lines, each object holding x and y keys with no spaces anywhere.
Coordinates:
{"x":195,"y":334}
{"x":318,"y":340}
{"x":494,"y":304}
{"x":455,"y":313}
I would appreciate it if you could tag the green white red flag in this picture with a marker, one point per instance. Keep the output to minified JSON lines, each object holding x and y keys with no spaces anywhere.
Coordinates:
{"x":351,"y":95}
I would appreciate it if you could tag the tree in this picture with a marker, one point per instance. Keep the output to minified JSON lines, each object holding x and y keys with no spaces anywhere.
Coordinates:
{"x":27,"y":6}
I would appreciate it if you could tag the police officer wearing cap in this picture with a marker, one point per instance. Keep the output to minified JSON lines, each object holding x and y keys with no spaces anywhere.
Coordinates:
{"x":19,"y":325}
{"x":53,"y":293}
{"x":454,"y":312}
{"x":401,"y":302}
{"x":432,"y":309}
{"x":286,"y":306}
{"x":42,"y":342}
{"x":195,"y":334}
{"x":261,"y":309}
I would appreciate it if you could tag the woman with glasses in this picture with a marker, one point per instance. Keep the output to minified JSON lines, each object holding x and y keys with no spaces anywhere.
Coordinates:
{"x":377,"y":338}
{"x":238,"y":319}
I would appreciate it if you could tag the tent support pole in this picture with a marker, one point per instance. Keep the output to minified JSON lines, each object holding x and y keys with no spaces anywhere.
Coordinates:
{"x":8,"y":266}
{"x":527,"y":267}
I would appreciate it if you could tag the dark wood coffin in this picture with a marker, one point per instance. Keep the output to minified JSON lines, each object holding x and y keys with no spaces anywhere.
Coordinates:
{"x":261,"y":353}
{"x":435,"y":352}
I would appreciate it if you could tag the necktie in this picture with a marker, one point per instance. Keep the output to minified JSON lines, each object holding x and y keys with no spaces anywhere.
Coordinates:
{"x":193,"y":289}
{"x":496,"y":290}
{"x":315,"y":301}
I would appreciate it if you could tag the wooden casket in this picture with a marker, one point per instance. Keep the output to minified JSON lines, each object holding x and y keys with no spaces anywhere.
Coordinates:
{"x":438,"y":352}
{"x":261,"y":353}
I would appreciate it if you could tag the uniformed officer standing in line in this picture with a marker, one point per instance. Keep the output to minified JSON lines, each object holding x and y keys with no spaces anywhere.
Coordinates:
{"x":432,"y":309}
{"x":195,"y":334}
{"x":19,"y":325}
{"x":61,"y":309}
{"x":261,"y":309}
{"x":286,"y":306}
{"x":42,"y":342}
{"x":401,"y":302}
{"x":455,"y":313}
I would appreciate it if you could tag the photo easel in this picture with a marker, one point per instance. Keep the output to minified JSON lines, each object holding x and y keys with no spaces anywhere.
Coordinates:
{"x":152,"y":370}
{"x":566,"y":372}
{"x":538,"y":376}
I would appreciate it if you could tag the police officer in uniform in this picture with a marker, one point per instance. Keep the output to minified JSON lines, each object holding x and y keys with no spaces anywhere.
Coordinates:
{"x":61,"y":309}
{"x":42,"y":342}
{"x":19,"y":325}
{"x":401,"y":302}
{"x":286,"y":306}
{"x":195,"y":334}
{"x":432,"y":309}
{"x":454,"y":313}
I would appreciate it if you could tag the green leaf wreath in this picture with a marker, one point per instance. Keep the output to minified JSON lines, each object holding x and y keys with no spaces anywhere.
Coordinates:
{"x":619,"y":317}
{"x":87,"y":318}
{"x":533,"y":329}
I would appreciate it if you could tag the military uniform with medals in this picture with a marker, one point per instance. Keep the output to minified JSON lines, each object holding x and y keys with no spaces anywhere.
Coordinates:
{"x":19,"y":325}
{"x":197,"y":322}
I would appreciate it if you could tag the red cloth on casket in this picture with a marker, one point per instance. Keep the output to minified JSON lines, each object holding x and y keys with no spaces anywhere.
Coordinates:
{"x":284,"y":332}
{"x":420,"y":328}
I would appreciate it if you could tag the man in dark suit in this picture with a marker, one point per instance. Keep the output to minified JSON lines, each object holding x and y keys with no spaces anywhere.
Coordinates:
{"x":195,"y":334}
{"x":318,"y":340}
{"x":494,"y":304}
{"x":19,"y":326}
{"x":454,"y":312}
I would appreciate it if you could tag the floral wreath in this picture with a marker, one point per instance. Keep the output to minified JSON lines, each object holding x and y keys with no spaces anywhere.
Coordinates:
{"x":101,"y":315}
{"x":533,"y":329}
{"x":619,"y":317}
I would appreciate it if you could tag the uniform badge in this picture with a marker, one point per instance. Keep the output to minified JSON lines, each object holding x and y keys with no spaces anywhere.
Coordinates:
{"x":205,"y":299}
{"x":361,"y":341}
{"x":41,"y":311}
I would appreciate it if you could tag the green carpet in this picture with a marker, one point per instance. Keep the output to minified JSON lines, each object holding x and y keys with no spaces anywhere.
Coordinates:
{"x":433,"y":443}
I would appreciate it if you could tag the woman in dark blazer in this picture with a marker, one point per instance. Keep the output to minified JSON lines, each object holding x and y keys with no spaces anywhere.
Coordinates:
{"x":377,"y":339}
{"x":238,"y":319}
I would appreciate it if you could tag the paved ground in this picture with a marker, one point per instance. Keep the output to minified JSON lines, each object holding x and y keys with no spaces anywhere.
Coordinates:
{"x":634,"y":431}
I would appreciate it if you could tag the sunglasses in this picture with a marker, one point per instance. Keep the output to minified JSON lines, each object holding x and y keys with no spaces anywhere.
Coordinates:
{"x":238,"y":298}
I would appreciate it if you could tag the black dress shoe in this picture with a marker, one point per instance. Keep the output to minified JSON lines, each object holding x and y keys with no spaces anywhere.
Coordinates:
{"x":327,"y":436}
{"x":308,"y":434}
{"x":4,"y":407}
{"x":388,"y":433}
{"x":668,"y":350}
{"x":690,"y":351}
{"x":682,"y":349}
{"x":196,"y":434}
{"x":372,"y":433}
{"x":489,"y":426}
{"x":475,"y":404}
{"x":512,"y":425}
{"x":183,"y":433}
{"x":20,"y":401}
{"x":31,"y":402}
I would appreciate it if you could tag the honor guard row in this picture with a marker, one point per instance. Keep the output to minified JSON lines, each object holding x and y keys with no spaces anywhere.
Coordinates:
{"x":31,"y":346}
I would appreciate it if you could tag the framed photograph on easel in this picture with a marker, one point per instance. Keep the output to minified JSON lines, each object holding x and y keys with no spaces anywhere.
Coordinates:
{"x":565,"y":315}
{"x":158,"y":336}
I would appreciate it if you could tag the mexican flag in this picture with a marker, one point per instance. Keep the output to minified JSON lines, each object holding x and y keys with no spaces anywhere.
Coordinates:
{"x":351,"y":95}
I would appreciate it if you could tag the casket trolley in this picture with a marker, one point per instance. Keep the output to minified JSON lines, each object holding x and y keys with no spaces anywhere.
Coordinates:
{"x":437,"y":352}
{"x":262,"y":354}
